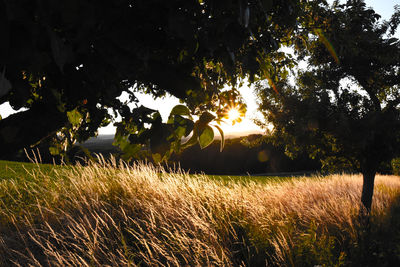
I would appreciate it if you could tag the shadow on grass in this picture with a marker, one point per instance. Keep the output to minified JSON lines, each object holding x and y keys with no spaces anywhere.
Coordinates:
{"x":380,"y":244}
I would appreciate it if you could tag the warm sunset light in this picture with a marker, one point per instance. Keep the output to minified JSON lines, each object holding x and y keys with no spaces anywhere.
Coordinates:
{"x":200,"y":133}
{"x":233,"y":114}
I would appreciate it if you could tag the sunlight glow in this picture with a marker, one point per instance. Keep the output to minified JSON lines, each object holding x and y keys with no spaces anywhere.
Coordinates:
{"x":233,"y":114}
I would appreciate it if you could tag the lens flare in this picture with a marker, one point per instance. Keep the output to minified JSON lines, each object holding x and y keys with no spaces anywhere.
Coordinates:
{"x":327,"y":44}
{"x":272,"y":84}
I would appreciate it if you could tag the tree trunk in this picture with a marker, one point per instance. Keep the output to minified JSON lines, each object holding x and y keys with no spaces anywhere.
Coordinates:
{"x":367,"y":191}
{"x":26,"y":128}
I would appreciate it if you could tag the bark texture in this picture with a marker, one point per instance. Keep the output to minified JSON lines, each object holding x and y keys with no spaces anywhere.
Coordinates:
{"x":367,"y":190}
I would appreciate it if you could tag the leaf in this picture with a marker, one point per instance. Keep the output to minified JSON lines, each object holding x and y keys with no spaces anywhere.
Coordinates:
{"x":192,"y":140}
{"x":182,"y":126}
{"x":221,"y":132}
{"x":180,"y":131}
{"x":131,"y":150}
{"x":178,"y":110}
{"x":159,"y":142}
{"x":121,"y":138}
{"x":59,"y":50}
{"x":5,"y":85}
{"x":206,"y":117}
{"x":156,"y":157}
{"x":54,"y":150}
{"x":206,"y":137}
{"x":74,"y":117}
{"x":392,"y":40}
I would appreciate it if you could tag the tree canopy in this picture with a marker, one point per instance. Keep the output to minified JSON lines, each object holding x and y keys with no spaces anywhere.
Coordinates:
{"x":344,"y":106}
{"x":66,"y":62}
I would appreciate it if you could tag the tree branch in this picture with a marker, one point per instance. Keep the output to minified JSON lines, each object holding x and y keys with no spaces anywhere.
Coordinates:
{"x":25,"y":128}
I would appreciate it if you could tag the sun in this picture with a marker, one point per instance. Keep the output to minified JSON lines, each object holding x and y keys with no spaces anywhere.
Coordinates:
{"x":233,"y":114}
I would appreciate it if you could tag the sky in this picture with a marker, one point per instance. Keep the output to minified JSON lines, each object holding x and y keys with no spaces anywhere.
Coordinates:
{"x":165,"y":105}
{"x":383,"y":7}
{"x":246,"y":126}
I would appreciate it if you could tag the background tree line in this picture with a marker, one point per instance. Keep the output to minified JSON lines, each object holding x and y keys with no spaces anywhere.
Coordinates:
{"x":253,"y":154}
{"x":250,"y":154}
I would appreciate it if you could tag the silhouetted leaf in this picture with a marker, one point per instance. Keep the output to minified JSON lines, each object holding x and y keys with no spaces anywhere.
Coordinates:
{"x":180,"y":110}
{"x":54,"y":151}
{"x":156,"y":157}
{"x":131,"y":150}
{"x":192,"y":140}
{"x":5,"y":84}
{"x":206,"y":117}
{"x":59,"y":50}
{"x":206,"y":137}
{"x":221,"y":132}
{"x":183,"y":126}
{"x":159,"y":138}
{"x":74,"y":117}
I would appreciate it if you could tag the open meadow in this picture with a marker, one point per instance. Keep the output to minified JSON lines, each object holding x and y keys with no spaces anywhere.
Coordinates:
{"x":112,"y":214}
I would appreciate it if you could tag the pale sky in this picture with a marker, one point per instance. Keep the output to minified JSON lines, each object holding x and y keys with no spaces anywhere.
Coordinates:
{"x":383,"y":7}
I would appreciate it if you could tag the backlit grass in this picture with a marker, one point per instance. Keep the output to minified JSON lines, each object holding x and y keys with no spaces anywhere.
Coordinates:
{"x":112,"y":214}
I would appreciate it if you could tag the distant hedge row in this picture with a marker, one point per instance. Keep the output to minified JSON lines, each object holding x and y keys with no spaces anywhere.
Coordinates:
{"x":238,"y":157}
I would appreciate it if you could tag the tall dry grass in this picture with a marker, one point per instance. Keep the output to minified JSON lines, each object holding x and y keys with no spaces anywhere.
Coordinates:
{"x":113,"y":214}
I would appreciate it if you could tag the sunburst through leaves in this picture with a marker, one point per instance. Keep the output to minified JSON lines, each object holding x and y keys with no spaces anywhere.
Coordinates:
{"x":235,"y":114}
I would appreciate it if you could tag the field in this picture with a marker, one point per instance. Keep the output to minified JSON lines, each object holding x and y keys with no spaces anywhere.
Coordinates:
{"x":18,"y":170}
{"x":111,"y":214}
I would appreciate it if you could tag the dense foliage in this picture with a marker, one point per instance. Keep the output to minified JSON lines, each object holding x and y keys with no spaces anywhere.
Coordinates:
{"x":66,"y":62}
{"x":344,"y":107}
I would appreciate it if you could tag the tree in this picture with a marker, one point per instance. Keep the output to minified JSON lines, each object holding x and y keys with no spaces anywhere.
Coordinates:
{"x":66,"y":62}
{"x":344,"y":106}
